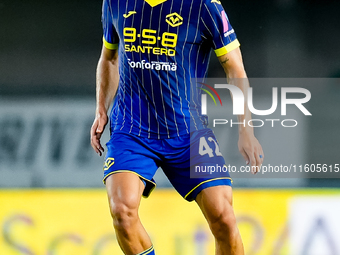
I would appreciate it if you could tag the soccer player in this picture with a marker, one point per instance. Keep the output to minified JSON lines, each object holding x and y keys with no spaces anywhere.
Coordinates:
{"x":152,"y":50}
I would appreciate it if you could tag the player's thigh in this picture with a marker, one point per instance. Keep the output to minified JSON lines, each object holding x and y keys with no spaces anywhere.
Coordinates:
{"x":130,"y":154}
{"x":124,"y":192}
{"x":216,"y":203}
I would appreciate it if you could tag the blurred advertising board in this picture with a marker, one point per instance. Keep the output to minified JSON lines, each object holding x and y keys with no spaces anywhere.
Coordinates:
{"x":315,"y":225}
{"x":68,"y":222}
{"x":46,"y":143}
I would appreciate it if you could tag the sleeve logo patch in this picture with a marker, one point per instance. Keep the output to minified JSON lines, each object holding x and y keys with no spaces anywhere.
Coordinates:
{"x":225,"y":21}
{"x":174,"y":19}
{"x":108,"y":163}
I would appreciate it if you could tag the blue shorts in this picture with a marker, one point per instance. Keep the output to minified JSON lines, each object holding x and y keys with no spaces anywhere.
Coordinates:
{"x":176,"y":156}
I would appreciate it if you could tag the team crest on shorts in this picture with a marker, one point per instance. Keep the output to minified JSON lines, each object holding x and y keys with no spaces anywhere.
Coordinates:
{"x":108,"y":163}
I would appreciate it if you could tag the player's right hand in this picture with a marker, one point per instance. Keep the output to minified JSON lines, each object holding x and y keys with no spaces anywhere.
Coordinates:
{"x":97,"y":130}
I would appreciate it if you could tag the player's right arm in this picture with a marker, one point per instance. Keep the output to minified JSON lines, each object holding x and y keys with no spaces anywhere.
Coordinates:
{"x":107,"y":78}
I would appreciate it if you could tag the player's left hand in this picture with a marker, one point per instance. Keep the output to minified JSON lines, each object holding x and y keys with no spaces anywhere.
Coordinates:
{"x":251,"y":150}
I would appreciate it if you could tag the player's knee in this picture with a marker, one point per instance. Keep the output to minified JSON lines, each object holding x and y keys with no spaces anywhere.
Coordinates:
{"x":223,"y":222}
{"x":124,"y":214}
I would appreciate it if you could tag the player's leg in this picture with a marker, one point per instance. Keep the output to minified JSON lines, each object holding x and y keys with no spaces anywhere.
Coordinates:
{"x":128,"y":162}
{"x":216,"y":205}
{"x":124,"y":193}
{"x":212,"y":192}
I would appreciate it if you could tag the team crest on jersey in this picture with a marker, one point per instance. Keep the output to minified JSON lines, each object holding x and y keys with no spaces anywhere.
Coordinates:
{"x":174,"y":19}
{"x":108,"y":163}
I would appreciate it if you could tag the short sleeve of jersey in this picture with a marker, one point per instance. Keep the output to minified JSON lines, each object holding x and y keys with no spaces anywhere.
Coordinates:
{"x":215,"y":26}
{"x":110,"y":36}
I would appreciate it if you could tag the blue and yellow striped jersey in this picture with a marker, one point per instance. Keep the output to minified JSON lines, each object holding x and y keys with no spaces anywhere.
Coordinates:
{"x":162,"y":45}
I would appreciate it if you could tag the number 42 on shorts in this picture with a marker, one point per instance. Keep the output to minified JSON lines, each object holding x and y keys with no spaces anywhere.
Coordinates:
{"x":204,"y":147}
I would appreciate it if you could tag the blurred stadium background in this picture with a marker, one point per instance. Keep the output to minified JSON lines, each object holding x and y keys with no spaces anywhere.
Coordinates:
{"x":52,"y":200}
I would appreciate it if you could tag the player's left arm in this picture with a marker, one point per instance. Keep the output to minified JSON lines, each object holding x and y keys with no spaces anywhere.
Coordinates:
{"x":248,"y":145}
